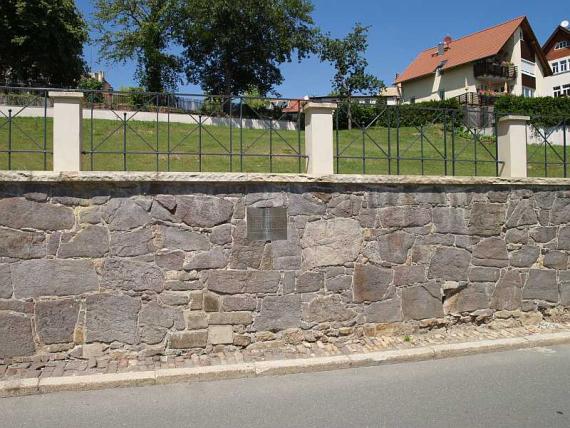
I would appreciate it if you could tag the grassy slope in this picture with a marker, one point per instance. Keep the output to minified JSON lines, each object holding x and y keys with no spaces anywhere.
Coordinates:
{"x":182,"y":141}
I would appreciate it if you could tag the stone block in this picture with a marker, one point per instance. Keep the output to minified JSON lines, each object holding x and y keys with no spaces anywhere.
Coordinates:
{"x":491,"y":252}
{"x":279,"y":313}
{"x":112,"y":318}
{"x":556,"y":260}
{"x":541,"y":285}
{"x":134,"y":243}
{"x":407,"y":216}
{"x":564,"y":238}
{"x":449,"y":264}
{"x":125,"y":214}
{"x":450,"y":220}
{"x":371,"y":283}
{"x":409,"y":275}
{"x":213,"y":259}
{"x":173,"y":298}
{"x":155,"y":320}
{"x":386,"y":311}
{"x":170,"y":260}
{"x":56,"y":320}
{"x":20,"y":213}
{"x":391,"y":247}
{"x":16,"y":338}
{"x":305,"y":204}
{"x":517,"y":236}
{"x":523,"y":214}
{"x":543,"y":234}
{"x":560,"y":213}
{"x":484,"y":274}
{"x":230,"y":318}
{"x":331,"y":242}
{"x":308,"y":282}
{"x":244,"y":253}
{"x":22,"y":245}
{"x":211,"y":302}
{"x":203,"y":211}
{"x":240,"y":282}
{"x":508,"y":292}
{"x":221,"y":234}
{"x":132,"y":275}
{"x":525,"y":257}
{"x":220,"y":335}
{"x":196,"y":320}
{"x":176,"y":238}
{"x":6,"y":289}
{"x":487,"y":219}
{"x":189,"y":339}
{"x":422,"y":301}
{"x":239,"y":303}
{"x":38,"y":278}
{"x":471,"y":298}
{"x":327,"y":309}
{"x":92,"y":241}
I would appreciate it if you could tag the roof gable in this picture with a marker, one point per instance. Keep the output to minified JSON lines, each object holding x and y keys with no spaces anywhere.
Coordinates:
{"x":473,"y":47}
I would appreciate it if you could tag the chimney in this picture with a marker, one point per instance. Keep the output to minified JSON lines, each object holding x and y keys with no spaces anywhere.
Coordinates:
{"x":440,"y":49}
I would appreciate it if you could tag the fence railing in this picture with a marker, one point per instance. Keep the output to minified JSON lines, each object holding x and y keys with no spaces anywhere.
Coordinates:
{"x":410,"y":139}
{"x":25,"y":129}
{"x":548,"y":146}
{"x":44,"y":129}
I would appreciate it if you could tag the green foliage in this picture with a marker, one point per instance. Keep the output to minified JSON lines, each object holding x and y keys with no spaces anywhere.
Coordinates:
{"x":231,"y":47}
{"x":347,"y":56}
{"x":544,"y":111}
{"x":140,"y":30}
{"x":381,"y":115}
{"x":41,"y":42}
{"x":90,"y":84}
{"x":135,"y":97}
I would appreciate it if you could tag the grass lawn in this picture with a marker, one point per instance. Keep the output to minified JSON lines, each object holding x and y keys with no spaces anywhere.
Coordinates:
{"x":221,"y":147}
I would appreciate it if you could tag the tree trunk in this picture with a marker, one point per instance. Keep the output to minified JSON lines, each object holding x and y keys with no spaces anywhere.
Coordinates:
{"x":349,"y":113}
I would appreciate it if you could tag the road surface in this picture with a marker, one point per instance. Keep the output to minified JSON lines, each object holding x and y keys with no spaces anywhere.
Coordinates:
{"x":525,"y":388}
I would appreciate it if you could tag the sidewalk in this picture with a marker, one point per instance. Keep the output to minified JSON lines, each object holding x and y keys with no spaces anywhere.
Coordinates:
{"x":281,"y":357}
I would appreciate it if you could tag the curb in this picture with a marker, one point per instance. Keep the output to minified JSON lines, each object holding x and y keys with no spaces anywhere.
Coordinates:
{"x":21,"y":387}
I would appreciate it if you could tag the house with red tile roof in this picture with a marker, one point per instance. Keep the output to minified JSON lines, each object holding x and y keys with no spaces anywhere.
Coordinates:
{"x":557,"y":51}
{"x":506,"y":58}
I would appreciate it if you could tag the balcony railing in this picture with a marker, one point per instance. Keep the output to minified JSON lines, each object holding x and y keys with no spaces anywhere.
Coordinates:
{"x":494,"y":71}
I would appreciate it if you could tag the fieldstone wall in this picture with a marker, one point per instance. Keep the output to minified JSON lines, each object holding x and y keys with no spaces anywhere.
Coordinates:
{"x":159,"y":268}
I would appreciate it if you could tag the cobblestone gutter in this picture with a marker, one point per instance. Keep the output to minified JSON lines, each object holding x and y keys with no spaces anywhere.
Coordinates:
{"x":160,"y":264}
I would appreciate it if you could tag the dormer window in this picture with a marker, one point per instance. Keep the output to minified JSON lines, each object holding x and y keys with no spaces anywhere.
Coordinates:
{"x":561,"y":44}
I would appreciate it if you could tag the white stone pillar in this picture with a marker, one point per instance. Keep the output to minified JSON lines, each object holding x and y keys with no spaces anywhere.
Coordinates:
{"x":67,"y":118}
{"x":319,"y":137}
{"x":512,"y":140}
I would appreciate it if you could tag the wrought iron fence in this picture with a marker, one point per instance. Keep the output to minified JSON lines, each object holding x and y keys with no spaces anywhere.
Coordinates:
{"x":25,"y":129}
{"x":548,"y":140}
{"x":410,"y":139}
{"x":185,"y":132}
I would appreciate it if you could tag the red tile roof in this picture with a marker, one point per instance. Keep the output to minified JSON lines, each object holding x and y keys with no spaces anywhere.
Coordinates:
{"x":467,"y":49}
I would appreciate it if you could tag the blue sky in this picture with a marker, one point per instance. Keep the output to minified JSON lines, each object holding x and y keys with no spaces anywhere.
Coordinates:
{"x":399,"y":30}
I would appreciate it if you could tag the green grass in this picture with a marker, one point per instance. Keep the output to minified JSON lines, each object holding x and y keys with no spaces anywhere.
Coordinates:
{"x":106,"y":138}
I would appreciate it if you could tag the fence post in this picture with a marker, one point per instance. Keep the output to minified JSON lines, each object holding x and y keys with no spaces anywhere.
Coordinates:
{"x":67,"y":130}
{"x":511,"y":142}
{"x":319,"y":137}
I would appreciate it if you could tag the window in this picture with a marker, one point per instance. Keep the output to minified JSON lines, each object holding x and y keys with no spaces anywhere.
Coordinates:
{"x":563,"y":66}
{"x":555,"y":68}
{"x":442,"y":94}
{"x":561,"y":45}
{"x":528,"y":67}
{"x":528,"y":92}
{"x":566,"y":90}
{"x":556,"y":92}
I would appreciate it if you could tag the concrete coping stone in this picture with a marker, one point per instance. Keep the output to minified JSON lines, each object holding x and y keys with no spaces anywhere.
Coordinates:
{"x":244,"y":178}
{"x":514,"y":117}
{"x":63,"y":94}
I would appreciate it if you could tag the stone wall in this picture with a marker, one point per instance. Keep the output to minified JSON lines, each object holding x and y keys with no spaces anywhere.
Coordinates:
{"x":166,"y":267}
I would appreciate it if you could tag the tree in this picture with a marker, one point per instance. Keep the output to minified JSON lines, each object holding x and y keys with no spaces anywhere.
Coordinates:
{"x":347,"y":56}
{"x":140,"y":30}
{"x":41,"y":42}
{"x":235,"y":46}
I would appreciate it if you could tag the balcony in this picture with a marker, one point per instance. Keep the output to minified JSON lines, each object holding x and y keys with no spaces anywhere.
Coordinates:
{"x":493,"y":71}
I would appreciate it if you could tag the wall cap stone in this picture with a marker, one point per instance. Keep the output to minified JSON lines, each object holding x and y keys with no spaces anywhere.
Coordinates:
{"x":241,"y":178}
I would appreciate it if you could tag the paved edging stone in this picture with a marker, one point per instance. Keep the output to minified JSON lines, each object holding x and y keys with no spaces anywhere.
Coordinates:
{"x":21,"y":387}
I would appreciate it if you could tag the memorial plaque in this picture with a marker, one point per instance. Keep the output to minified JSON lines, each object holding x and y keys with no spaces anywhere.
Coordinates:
{"x":267,"y":224}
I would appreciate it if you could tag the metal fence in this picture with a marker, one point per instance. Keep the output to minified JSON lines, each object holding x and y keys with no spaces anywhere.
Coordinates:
{"x":25,"y":129}
{"x":410,"y":139}
{"x":185,"y":132}
{"x":548,"y":140}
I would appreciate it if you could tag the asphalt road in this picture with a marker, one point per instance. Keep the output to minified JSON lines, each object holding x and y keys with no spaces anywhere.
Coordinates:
{"x":526,"y":388}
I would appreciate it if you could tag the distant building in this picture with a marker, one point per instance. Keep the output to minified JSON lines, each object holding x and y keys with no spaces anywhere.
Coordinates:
{"x":506,"y":58}
{"x":100,"y":77}
{"x":557,"y":51}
